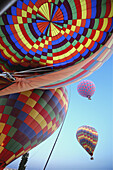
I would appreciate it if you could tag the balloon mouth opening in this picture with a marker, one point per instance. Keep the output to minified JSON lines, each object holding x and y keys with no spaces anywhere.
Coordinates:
{"x":92,"y":158}
{"x":89,"y":97}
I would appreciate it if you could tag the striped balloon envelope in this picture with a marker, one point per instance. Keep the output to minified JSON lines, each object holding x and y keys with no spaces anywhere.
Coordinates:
{"x":63,"y":40}
{"x":87,"y":136}
{"x":26,"y":81}
{"x":27,"y":119}
{"x":56,"y":33}
{"x":86,"y":88}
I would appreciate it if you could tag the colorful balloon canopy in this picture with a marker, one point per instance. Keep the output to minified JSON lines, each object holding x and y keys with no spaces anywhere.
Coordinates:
{"x":87,"y":136}
{"x":58,"y":78}
{"x":86,"y":88}
{"x":63,"y":40}
{"x":27,"y":119}
{"x":56,"y":33}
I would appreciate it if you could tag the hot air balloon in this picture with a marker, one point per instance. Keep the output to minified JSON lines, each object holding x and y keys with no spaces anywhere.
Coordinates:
{"x":87,"y":136}
{"x":50,"y":44}
{"x":27,"y":119}
{"x":86,"y":88}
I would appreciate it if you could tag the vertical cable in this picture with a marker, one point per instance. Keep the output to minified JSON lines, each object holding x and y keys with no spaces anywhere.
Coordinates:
{"x":54,"y":145}
{"x":57,"y":136}
{"x":5,"y":4}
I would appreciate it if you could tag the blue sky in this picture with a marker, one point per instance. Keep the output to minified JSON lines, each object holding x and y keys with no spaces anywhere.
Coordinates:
{"x":98,"y":113}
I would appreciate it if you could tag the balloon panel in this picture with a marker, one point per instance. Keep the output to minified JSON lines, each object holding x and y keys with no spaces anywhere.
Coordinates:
{"x":87,"y":136}
{"x":28,"y":118}
{"x":83,"y":69}
{"x":56,"y":33}
{"x":62,"y":77}
{"x":86,"y":88}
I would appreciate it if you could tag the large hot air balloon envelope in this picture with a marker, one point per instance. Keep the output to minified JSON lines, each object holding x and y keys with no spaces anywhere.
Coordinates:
{"x":86,"y":88}
{"x":87,"y":136}
{"x":63,"y":40}
{"x":53,"y":32}
{"x":27,"y":119}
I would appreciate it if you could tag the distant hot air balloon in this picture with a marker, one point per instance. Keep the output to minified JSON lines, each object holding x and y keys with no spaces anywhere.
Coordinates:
{"x":27,"y":119}
{"x":87,"y":136}
{"x":86,"y":88}
{"x":63,"y":41}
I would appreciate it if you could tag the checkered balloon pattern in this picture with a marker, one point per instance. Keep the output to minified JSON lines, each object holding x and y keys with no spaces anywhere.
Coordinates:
{"x":27,"y":119}
{"x":87,"y":136}
{"x":56,"y":33}
{"x":86,"y":88}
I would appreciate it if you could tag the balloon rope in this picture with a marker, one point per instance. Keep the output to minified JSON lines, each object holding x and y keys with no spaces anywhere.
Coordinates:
{"x":57,"y":135}
{"x":54,"y":145}
{"x":35,"y":69}
{"x":7,"y":75}
{"x":6,"y":4}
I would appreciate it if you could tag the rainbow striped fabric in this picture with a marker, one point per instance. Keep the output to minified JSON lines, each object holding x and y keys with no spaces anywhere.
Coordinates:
{"x":87,"y":136}
{"x":84,"y":68}
{"x":27,"y":119}
{"x":56,"y":33}
{"x":62,"y":77}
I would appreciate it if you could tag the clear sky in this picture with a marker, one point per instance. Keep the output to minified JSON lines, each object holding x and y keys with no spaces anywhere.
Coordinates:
{"x":98,"y":113}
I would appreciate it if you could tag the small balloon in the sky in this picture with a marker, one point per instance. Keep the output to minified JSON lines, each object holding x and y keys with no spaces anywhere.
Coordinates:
{"x":87,"y":136}
{"x":86,"y":88}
